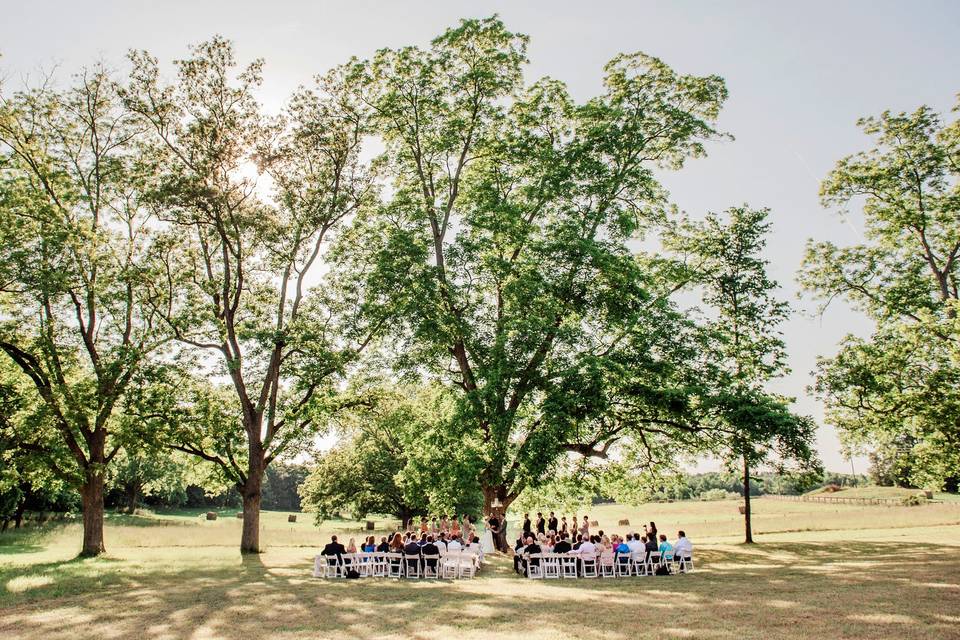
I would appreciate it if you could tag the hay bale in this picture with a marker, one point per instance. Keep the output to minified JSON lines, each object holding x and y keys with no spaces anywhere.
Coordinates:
{"x":292,"y":517}
{"x":594,"y":523}
{"x":742,"y":509}
{"x":928,"y":494}
{"x":211,"y":515}
{"x":370,"y":525}
{"x":240,"y":515}
{"x":623,"y":523}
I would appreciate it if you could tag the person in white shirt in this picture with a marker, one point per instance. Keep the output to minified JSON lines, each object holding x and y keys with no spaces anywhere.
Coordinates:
{"x":682,"y":548}
{"x":476,"y":547}
{"x":454,"y":545}
{"x":633,"y":543}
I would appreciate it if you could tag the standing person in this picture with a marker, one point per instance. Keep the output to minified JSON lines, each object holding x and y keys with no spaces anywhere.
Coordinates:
{"x":585,"y":527}
{"x":651,"y":531}
{"x":486,"y":541}
{"x":526,"y":524}
{"x":444,"y":524}
{"x":541,"y":523}
{"x":552,"y":523}
{"x":455,"y":527}
{"x":563,"y":524}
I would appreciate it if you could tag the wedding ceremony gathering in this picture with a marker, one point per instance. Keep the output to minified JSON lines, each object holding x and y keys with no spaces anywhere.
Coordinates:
{"x":426,"y":320}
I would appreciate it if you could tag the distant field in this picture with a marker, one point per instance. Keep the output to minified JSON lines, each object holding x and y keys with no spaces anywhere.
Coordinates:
{"x":820,"y":571}
{"x":883,"y":493}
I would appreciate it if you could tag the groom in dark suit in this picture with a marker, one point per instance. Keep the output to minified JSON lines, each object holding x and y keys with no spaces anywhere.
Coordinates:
{"x":552,"y":523}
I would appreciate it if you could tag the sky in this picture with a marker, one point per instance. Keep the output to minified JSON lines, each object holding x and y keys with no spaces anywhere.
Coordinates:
{"x":799,"y":76}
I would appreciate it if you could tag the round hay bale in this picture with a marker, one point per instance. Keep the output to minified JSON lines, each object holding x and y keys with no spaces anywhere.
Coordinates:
{"x":240,"y":515}
{"x":292,"y":517}
{"x":623,"y":523}
{"x":594,"y":523}
{"x":211,"y":515}
{"x":928,"y":494}
{"x":742,"y":509}
{"x":370,"y":525}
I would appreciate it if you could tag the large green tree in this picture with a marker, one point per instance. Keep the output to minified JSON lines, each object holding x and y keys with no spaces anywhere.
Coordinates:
{"x":744,"y":346}
{"x":902,"y":383}
{"x":503,"y":244}
{"x":247,"y":259}
{"x":398,"y":454}
{"x":79,"y":272}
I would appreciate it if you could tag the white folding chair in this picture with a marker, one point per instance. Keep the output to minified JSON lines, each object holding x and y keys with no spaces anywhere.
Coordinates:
{"x":568,"y":566}
{"x":450,"y":565}
{"x":684,"y":564}
{"x":653,"y":561}
{"x":639,"y":561}
{"x":394,"y":562}
{"x":551,"y":565}
{"x":332,"y":566}
{"x":624,"y":563}
{"x":411,"y":566}
{"x":535,"y":566}
{"x":607,"y":568}
{"x":380,"y":568}
{"x":431,"y":566}
{"x":469,"y":565}
{"x":363,"y":563}
{"x":589,"y":566}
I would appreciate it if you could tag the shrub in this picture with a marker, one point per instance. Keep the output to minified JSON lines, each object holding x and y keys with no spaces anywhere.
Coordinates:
{"x":718,"y":494}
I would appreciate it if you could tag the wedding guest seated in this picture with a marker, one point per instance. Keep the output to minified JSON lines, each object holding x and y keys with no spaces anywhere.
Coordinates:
{"x":682,"y":548}
{"x":576,"y":545}
{"x":431,"y":553}
{"x":531,"y":548}
{"x":412,"y":550}
{"x":633,"y":543}
{"x":476,"y":547}
{"x":666,"y":549}
{"x":351,"y":546}
{"x":563,"y":545}
{"x":396,"y":545}
{"x":370,"y":545}
{"x":518,"y":548}
{"x":384,"y":546}
{"x":335,"y":549}
{"x":455,"y":544}
{"x":620,"y":547}
{"x":442,"y":541}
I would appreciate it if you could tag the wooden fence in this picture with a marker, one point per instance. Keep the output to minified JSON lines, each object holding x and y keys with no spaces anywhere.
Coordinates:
{"x":843,"y":500}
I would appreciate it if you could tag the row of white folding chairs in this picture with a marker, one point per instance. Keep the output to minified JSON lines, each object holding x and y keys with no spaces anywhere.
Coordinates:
{"x":607,"y":565}
{"x":452,"y":564}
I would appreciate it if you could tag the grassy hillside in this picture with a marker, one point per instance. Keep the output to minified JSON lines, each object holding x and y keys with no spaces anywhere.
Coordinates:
{"x":856,"y":572}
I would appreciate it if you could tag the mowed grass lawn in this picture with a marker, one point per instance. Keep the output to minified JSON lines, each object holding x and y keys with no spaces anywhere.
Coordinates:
{"x":819,"y":571}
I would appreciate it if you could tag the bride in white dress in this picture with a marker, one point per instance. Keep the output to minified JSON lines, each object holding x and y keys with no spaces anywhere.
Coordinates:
{"x":486,"y":540}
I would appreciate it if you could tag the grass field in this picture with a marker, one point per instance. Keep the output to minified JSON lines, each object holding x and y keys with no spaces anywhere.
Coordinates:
{"x":819,"y":571}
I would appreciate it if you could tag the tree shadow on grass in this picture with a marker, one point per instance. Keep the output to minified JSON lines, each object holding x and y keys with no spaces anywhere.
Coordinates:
{"x":854,"y":590}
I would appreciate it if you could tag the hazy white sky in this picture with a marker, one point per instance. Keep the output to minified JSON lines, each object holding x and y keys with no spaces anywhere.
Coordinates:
{"x":799,"y":76}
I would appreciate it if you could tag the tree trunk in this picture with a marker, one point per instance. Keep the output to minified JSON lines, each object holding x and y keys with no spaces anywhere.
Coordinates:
{"x":251,"y":492}
{"x":133,"y":493}
{"x":746,"y":501}
{"x":499,"y":493}
{"x":92,"y":494}
{"x":18,"y":516}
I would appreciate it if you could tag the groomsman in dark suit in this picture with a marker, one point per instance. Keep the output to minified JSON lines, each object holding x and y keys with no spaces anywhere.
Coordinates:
{"x":541,"y":523}
{"x":526,"y":525}
{"x":552,"y":523}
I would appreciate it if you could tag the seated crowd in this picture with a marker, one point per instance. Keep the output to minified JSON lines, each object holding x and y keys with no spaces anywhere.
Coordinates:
{"x":417,"y":553}
{"x":606,"y":550}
